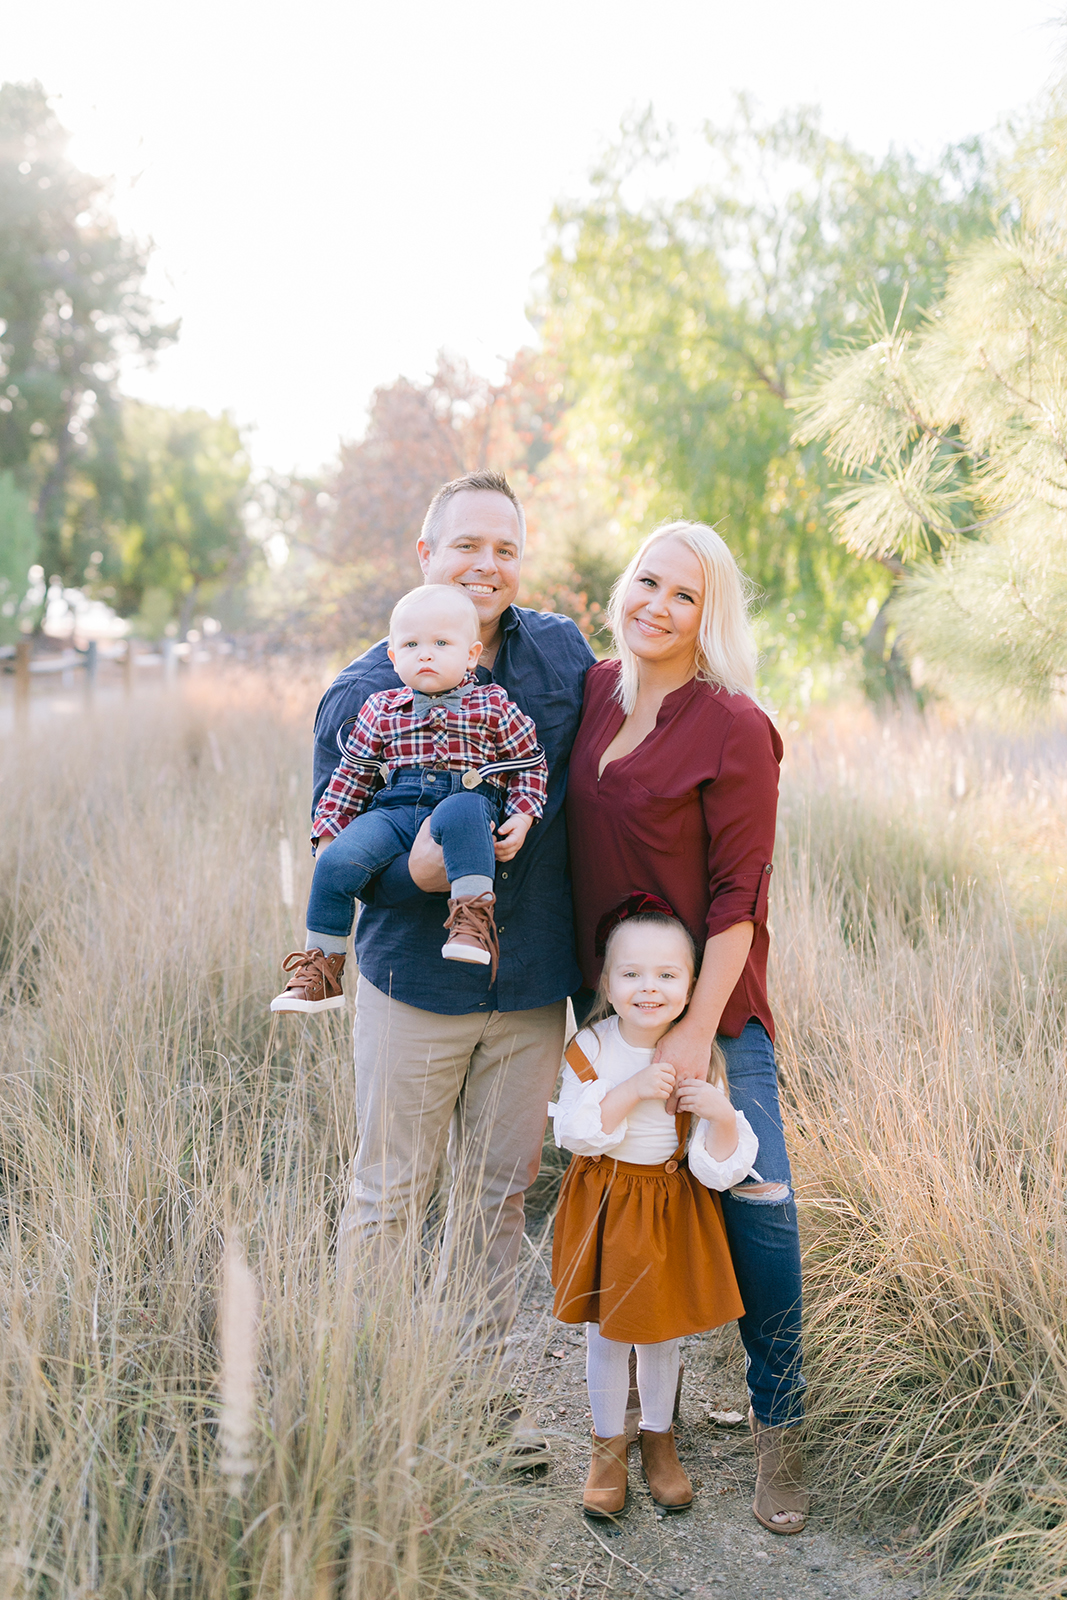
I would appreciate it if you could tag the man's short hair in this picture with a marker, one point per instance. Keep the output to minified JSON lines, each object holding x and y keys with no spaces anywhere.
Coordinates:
{"x":489,"y":482}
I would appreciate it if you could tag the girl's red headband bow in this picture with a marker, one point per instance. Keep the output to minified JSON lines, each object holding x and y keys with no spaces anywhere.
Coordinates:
{"x":636,"y":904}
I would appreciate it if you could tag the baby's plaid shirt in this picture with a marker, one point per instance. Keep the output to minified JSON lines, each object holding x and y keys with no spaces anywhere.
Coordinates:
{"x":485,"y":727}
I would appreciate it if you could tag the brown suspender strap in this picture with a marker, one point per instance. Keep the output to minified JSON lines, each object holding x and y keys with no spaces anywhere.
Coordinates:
{"x":584,"y":1071}
{"x":682,"y":1120}
{"x":579,"y":1062}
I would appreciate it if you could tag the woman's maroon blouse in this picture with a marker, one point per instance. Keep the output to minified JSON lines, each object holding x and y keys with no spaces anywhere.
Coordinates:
{"x":688,"y":815}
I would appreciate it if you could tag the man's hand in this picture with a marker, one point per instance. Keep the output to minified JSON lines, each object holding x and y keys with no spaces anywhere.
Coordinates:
{"x":688,"y":1052}
{"x":511,"y":834}
{"x":426,"y":863}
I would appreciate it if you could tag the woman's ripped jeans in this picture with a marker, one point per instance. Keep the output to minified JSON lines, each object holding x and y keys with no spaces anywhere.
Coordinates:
{"x":761,"y":1225}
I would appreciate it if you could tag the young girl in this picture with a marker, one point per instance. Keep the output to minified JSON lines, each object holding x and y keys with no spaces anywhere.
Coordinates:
{"x":639,"y":1253}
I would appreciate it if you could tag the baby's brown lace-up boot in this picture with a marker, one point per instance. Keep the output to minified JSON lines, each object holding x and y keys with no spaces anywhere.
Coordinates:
{"x":472,"y":931}
{"x":314,"y":984}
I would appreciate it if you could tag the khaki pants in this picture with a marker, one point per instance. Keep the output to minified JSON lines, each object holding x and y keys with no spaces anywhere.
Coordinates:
{"x":478,"y":1084}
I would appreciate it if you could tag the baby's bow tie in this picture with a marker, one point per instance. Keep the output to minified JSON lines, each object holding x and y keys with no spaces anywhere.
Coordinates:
{"x":426,"y":702}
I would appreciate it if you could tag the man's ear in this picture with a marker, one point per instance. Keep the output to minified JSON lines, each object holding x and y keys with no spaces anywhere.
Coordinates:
{"x":423,"y":552}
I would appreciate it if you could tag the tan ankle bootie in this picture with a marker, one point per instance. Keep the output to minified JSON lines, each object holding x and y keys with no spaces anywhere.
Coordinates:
{"x":667,"y":1479}
{"x":780,"y":1490}
{"x":605,"y":1487}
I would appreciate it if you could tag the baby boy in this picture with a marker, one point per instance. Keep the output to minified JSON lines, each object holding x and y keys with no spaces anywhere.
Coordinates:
{"x":444,"y":746}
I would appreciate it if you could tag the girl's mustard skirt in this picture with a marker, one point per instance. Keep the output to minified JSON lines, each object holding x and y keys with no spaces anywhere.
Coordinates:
{"x":641,"y":1251}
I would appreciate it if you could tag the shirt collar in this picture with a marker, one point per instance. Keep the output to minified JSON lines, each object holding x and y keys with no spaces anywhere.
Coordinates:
{"x":408,"y":695}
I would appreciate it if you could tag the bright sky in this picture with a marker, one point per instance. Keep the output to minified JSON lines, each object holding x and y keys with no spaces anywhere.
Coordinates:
{"x":337,"y":189}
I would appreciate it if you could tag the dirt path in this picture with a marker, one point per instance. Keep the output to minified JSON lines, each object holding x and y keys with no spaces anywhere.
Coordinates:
{"x":717,"y":1551}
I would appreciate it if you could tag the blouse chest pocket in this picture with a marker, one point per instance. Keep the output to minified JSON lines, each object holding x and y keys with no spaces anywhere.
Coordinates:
{"x":659,"y":821}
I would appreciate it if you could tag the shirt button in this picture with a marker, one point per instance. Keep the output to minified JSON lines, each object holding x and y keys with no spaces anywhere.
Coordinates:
{"x":671,"y":1166}
{"x":500,"y":928}
{"x":503,"y":874}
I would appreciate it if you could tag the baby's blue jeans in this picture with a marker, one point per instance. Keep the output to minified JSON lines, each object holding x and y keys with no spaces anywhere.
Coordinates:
{"x":462,"y":823}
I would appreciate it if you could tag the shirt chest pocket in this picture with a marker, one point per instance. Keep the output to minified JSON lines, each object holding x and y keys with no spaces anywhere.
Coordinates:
{"x":669,"y":824}
{"x":555,"y":713}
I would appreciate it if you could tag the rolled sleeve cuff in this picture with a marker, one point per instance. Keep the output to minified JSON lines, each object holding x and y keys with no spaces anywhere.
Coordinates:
{"x":577,"y":1125}
{"x":723,"y":1174}
{"x":741,"y":899}
{"x":524,"y":805}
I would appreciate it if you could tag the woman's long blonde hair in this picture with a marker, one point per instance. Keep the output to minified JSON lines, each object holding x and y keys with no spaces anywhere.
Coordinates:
{"x":726,"y":646}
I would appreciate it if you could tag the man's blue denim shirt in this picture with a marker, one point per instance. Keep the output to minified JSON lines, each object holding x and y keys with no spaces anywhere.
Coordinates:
{"x":541,"y":664}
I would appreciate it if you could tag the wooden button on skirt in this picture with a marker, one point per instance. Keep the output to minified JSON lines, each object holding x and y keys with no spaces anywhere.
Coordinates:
{"x":642,"y":1252}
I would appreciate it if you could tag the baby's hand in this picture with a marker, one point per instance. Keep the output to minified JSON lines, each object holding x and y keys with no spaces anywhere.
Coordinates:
{"x":704,"y":1100}
{"x":655,"y":1082}
{"x":511,"y":834}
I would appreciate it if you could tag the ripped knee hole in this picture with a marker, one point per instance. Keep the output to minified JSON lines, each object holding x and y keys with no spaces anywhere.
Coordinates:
{"x":767,"y":1194}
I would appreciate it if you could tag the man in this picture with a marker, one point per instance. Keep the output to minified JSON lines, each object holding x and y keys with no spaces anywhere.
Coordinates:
{"x":443,"y":1056}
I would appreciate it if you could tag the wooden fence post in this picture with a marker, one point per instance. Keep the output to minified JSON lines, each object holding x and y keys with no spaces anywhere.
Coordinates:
{"x":90,"y":669}
{"x":23,"y":653}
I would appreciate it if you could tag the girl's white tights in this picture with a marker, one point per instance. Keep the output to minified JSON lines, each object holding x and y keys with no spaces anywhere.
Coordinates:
{"x":607,"y":1374}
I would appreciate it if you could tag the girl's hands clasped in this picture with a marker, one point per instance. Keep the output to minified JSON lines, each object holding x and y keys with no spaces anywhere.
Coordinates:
{"x":655,"y":1082}
{"x":704,"y":1100}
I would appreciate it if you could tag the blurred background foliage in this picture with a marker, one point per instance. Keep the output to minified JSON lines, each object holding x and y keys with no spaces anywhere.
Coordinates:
{"x":131,"y":504}
{"x":953,"y":440}
{"x":853,"y":367}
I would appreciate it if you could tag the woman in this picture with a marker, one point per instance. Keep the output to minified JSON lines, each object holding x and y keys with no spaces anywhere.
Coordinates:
{"x":673,"y":789}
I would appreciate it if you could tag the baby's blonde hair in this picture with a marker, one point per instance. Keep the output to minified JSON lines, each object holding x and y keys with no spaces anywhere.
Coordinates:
{"x":602,"y":1006}
{"x":443,"y":593}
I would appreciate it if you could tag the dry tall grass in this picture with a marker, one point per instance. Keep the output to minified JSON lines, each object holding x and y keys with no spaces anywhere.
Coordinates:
{"x":921,"y":979}
{"x":145,"y":1135}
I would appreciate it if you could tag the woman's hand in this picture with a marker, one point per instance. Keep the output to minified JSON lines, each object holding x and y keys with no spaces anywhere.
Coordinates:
{"x":688,"y":1052}
{"x":688,"y":1044}
{"x":426,"y":863}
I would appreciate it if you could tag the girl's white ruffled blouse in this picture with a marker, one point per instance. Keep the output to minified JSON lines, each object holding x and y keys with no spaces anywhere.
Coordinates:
{"x":647,"y":1136}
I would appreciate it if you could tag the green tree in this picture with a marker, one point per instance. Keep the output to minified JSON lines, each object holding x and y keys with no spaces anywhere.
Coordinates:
{"x":71,"y":306}
{"x":166,"y":504}
{"x":954,"y":443}
{"x":18,"y":552}
{"x":686,"y":329}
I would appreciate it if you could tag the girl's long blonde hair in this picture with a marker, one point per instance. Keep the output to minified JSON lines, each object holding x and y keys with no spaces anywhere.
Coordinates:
{"x":726,"y":646}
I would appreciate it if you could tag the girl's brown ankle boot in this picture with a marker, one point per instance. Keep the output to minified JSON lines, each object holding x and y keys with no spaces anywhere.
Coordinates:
{"x":605,"y":1487}
{"x":667,"y":1479}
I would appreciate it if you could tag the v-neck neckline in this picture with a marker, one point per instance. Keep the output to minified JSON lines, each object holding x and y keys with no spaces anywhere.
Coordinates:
{"x":602,"y":772}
